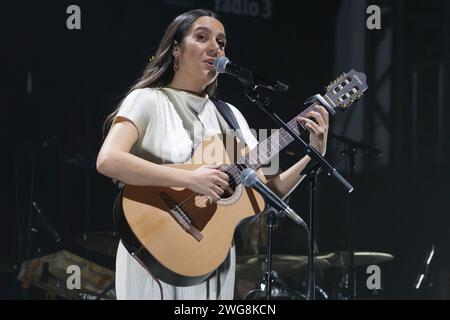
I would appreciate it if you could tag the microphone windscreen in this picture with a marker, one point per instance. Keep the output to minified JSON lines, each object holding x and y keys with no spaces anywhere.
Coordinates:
{"x":248,"y":177}
{"x":220,"y":64}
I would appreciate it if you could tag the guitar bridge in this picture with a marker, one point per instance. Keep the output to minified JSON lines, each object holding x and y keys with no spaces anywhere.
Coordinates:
{"x":180,"y":217}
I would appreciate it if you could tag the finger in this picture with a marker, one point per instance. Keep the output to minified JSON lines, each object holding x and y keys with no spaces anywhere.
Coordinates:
{"x":305,"y":121}
{"x":313,"y":128}
{"x":318,"y":117}
{"x":302,"y":120}
{"x":213,"y":166}
{"x":310,"y":128}
{"x":222,"y":183}
{"x":217,"y":189}
{"x":224,"y":176}
{"x":323,"y":112}
{"x":214,"y":196}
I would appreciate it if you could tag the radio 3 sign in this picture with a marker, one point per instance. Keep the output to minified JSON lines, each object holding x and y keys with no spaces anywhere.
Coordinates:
{"x":252,"y":8}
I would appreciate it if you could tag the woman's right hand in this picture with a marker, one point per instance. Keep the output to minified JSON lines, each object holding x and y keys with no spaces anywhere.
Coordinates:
{"x":209,"y":181}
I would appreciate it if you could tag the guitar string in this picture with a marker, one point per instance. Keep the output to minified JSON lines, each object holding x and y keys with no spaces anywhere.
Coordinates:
{"x":204,"y":199}
{"x":284,"y":135}
{"x":190,"y":201}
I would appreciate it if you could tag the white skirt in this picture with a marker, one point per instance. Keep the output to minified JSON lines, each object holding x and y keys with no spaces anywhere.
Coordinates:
{"x":133,"y":282}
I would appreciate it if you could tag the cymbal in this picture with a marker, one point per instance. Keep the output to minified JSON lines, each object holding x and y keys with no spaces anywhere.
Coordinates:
{"x":249,"y":266}
{"x":360,"y":258}
{"x":100,"y":242}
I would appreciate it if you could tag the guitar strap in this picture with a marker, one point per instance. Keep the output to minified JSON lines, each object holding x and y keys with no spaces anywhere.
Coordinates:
{"x":226,"y":112}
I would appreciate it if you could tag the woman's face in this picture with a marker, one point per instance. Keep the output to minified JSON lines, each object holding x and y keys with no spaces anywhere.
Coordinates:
{"x":204,"y":43}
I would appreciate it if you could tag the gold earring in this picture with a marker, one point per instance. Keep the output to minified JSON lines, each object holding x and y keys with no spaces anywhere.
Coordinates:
{"x":175,"y":64}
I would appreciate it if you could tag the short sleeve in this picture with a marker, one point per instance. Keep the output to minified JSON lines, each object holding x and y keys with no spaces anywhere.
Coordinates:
{"x":250,"y":139}
{"x":136,"y":108}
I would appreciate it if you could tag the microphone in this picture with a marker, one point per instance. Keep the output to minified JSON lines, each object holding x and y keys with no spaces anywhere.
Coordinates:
{"x":224,"y":65}
{"x":250,"y":179}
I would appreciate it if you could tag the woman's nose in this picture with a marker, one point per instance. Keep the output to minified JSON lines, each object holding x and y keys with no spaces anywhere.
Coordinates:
{"x":214,"y":50}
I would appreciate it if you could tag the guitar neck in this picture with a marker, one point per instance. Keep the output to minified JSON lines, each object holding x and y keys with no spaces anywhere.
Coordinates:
{"x":340,"y":94}
{"x":278,"y":140}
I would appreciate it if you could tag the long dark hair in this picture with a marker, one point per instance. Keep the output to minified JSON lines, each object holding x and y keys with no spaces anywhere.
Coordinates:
{"x":159,"y":71}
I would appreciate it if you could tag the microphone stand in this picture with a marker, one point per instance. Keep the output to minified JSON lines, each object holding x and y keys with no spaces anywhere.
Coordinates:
{"x":350,"y":161}
{"x":270,"y":275}
{"x":350,"y":151}
{"x":311,"y":173}
{"x":264,"y":104}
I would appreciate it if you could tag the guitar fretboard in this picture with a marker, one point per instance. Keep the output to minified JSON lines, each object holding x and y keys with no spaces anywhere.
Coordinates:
{"x":270,"y":147}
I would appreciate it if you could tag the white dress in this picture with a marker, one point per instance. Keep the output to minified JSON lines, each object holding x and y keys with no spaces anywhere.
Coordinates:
{"x":163,"y":139}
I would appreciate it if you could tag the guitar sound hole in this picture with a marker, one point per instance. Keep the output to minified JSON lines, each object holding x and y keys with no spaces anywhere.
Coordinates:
{"x":233,"y":182}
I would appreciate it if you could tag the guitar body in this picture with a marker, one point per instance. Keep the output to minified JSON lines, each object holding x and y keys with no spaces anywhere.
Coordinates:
{"x":177,"y":250}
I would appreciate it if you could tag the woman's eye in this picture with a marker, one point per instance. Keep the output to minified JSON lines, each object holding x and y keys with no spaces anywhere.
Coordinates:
{"x":202,"y":37}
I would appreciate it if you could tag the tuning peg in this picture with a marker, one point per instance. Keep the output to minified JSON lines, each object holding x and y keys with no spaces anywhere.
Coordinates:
{"x":330,"y":86}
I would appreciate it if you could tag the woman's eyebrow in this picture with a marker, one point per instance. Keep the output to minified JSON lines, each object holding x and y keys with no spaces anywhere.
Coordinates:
{"x":221,"y":35}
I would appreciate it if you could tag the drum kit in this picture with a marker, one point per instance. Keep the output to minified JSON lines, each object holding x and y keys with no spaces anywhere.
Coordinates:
{"x":65,"y":275}
{"x":53,"y":272}
{"x":250,"y":270}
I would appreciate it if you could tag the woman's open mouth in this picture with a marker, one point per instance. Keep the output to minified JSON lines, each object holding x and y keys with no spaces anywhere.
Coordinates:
{"x":210,"y":65}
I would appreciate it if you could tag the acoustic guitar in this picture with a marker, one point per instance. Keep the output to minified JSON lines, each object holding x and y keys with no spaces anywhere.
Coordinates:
{"x":181,"y":237}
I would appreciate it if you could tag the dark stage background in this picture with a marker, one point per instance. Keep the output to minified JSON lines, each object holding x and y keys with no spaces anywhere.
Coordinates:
{"x":58,"y":85}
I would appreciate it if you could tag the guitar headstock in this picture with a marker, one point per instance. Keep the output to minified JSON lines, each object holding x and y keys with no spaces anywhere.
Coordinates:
{"x":346,"y":89}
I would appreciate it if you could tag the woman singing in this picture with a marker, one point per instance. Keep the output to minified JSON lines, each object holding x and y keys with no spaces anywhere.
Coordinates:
{"x":154,"y":124}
